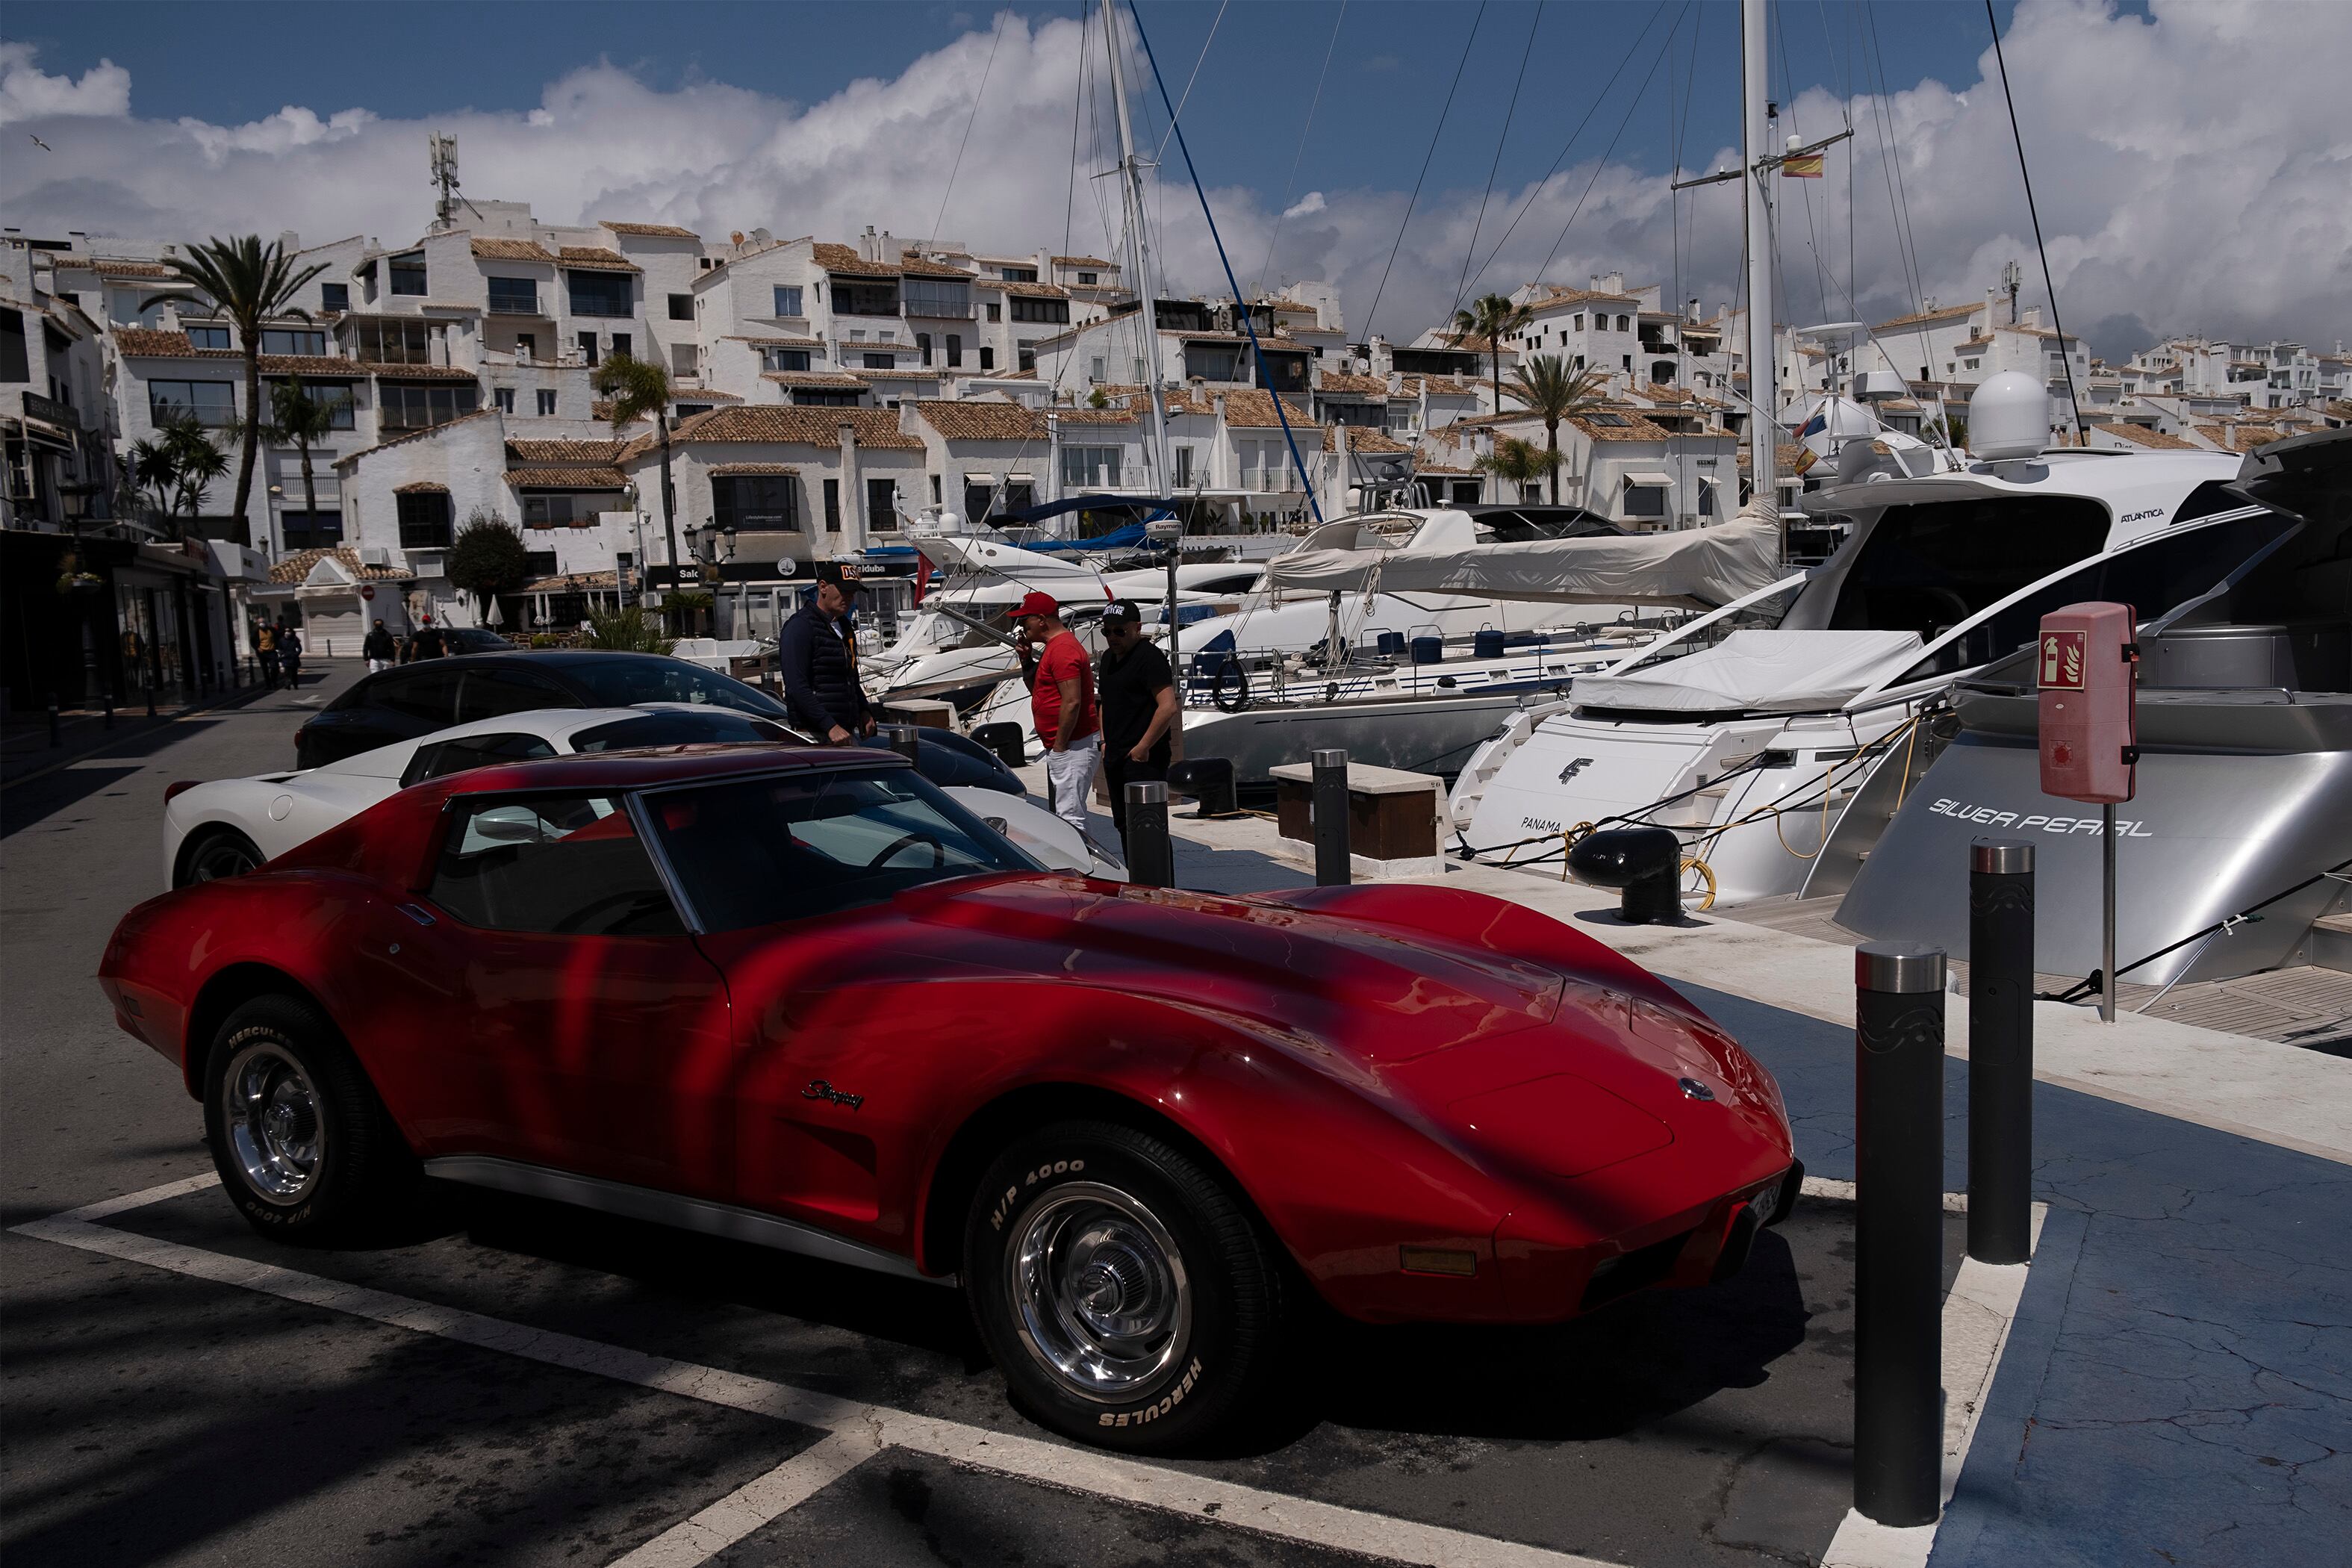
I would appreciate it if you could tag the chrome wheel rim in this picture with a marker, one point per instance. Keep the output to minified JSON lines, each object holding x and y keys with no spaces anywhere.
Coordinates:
{"x":1099,"y":1292}
{"x":272,"y":1117}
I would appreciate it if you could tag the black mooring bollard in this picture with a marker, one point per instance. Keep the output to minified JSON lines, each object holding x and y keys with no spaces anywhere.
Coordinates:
{"x":1006,"y":741}
{"x":1645,"y":863}
{"x":1334,"y":864}
{"x":151,"y":699}
{"x":1150,"y":857}
{"x":56,"y":737}
{"x":2000,"y":1050}
{"x":905,"y":739}
{"x":1210,"y":781}
{"x":1899,"y":1415}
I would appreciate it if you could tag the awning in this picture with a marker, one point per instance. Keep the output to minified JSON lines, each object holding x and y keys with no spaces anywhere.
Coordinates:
{"x":1650,"y":477}
{"x":1021,"y":478}
{"x":980,"y":478}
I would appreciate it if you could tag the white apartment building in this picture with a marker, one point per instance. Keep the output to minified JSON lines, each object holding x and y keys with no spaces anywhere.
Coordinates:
{"x":55,"y":420}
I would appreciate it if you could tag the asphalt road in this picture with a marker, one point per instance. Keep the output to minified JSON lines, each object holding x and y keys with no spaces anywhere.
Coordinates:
{"x":383,"y":1406}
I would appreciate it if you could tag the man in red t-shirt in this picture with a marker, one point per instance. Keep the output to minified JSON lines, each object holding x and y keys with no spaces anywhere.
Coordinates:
{"x":1062,"y":702}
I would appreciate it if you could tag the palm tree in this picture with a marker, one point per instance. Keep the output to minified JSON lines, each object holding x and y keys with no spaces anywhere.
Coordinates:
{"x":249,"y":283}
{"x":153,"y":471}
{"x":1520,"y":463}
{"x":302,"y":419}
{"x":1490,"y":316}
{"x":1552,"y":393}
{"x":639,"y":389}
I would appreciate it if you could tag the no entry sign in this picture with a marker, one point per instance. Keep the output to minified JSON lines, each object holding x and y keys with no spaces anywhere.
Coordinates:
{"x":367,"y":590}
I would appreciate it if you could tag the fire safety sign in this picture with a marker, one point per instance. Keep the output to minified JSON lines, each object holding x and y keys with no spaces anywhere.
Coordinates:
{"x":2062,"y":661}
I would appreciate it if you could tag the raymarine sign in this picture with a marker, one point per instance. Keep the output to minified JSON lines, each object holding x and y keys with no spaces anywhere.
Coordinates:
{"x":2033,"y":822}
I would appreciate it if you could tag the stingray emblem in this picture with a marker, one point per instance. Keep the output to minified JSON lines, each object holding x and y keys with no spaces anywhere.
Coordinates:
{"x":820,"y":1090}
{"x":1574,"y":768}
{"x":1694,"y":1089}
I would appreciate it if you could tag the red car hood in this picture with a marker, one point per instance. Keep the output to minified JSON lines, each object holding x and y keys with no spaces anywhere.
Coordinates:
{"x":1380,"y":994}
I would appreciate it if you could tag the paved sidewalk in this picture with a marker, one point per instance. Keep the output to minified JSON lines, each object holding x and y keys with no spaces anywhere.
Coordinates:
{"x":26,"y":752}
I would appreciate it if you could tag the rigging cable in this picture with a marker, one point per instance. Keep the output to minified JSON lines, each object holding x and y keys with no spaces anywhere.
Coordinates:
{"x":1426,"y":157}
{"x":1178,"y":113}
{"x":1527,"y":55}
{"x":1906,"y":242}
{"x":2066,"y":360}
{"x":997,"y":39}
{"x":1561,"y":238}
{"x":1282,"y":214}
{"x":1240,"y":307}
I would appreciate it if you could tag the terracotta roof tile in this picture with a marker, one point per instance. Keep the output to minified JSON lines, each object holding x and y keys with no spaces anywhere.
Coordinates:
{"x":876,"y":427}
{"x":2142,"y":435}
{"x":323,"y":366}
{"x":596,"y":258}
{"x":702,"y":394}
{"x":747,"y":470}
{"x":1032,"y":291}
{"x":810,"y":378}
{"x":554,"y":478}
{"x":150,"y":342}
{"x":843,"y":259}
{"x":983,"y":420}
{"x":561,"y":452}
{"x":385,"y":371}
{"x":511,"y":250}
{"x":1080,"y":261}
{"x":1360,"y":440}
{"x":649,"y":230}
{"x":773,"y":343}
{"x":295,"y":567}
{"x":1942,"y":313}
{"x":1095,"y":415}
{"x":1355,"y":385}
{"x":572,"y":582}
{"x":1557,"y":296}
{"x":1635,"y":428}
{"x":349,"y":457}
{"x":1252,"y":409}
{"x":421,"y":488}
{"x":915,"y":266}
{"x":133,"y":269}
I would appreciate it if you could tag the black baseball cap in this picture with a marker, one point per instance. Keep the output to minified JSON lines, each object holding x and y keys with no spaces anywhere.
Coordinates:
{"x":1122,"y":610}
{"x":846,"y":575}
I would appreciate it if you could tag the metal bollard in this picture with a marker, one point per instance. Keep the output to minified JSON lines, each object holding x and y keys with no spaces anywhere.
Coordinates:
{"x":1333,"y":863}
{"x":904,"y":738}
{"x":1899,"y":1417}
{"x":1210,"y":781}
{"x":2000,"y":1050}
{"x":56,"y":737}
{"x":1150,"y":857}
{"x":106,"y":700}
{"x":151,"y":699}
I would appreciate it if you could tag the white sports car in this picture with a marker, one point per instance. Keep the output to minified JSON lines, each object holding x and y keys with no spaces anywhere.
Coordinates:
{"x":230,"y":825}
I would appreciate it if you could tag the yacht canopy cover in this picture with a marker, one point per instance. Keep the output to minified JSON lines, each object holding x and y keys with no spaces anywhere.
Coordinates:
{"x":1756,"y":673}
{"x":1695,"y":568}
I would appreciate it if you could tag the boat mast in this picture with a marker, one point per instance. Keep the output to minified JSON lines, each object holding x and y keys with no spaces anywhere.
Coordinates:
{"x":1139,"y":252}
{"x":1758,"y":152}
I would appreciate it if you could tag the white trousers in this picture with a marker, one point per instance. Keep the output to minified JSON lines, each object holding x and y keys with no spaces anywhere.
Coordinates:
{"x":376,"y":663}
{"x":1072,"y":775}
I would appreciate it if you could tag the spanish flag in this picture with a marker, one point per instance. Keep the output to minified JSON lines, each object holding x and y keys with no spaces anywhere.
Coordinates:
{"x":1802,"y":166}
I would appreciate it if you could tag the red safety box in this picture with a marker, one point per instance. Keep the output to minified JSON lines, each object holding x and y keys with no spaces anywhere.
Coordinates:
{"x":2088,"y":669}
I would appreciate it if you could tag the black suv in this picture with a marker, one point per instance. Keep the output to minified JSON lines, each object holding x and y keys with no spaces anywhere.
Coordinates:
{"x":414,"y":699}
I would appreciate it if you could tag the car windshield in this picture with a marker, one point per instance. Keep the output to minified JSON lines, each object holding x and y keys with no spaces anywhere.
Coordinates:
{"x":753,"y":852}
{"x":682,"y":727}
{"x":623,"y":682}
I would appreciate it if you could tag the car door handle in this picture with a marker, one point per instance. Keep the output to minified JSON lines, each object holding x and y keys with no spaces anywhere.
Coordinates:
{"x":417,"y":912}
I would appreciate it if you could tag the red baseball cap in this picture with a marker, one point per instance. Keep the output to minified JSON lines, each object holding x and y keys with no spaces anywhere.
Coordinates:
{"x":1036,"y":604}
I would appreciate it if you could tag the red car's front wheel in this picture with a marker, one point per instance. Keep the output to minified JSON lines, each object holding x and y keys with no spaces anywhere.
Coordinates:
{"x":1128,"y":1297}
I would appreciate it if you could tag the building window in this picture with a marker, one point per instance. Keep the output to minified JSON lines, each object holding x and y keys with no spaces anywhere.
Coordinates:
{"x":422,"y":407}
{"x":681,"y":307}
{"x":378,"y":341}
{"x":540,"y":564}
{"x":546,"y":403}
{"x":923,"y":346}
{"x":504,"y":397}
{"x":1028,"y":358}
{"x":987,"y":357}
{"x":1644,"y":500}
{"x":783,"y":359}
{"x":1090,"y":467}
{"x":423,"y":520}
{"x":208,"y":402}
{"x":955,"y":351}
{"x":865,"y":297}
{"x":207,"y":337}
{"x":621,"y":346}
{"x":293,"y":341}
{"x":1576,"y":323}
{"x":1095,"y":373}
{"x":1027,"y":308}
{"x":880,"y":360}
{"x":526,"y":345}
{"x":310,"y":530}
{"x":600,"y":293}
{"x":1624,"y":323}
{"x":1087,"y":278}
{"x":1183,"y":467}
{"x":996,"y":309}
{"x":337,"y":398}
{"x":408,"y":273}
{"x":826,"y":397}
{"x":514,"y":297}
{"x":588,"y":347}
{"x":1017,"y":274}
{"x":882,"y":505}
{"x":334,"y":296}
{"x":547,"y":510}
{"x":833,"y":506}
{"x":1212,"y":361}
{"x":788,"y":300}
{"x":938,"y":298}
{"x":768,"y":502}
{"x":1705,"y":496}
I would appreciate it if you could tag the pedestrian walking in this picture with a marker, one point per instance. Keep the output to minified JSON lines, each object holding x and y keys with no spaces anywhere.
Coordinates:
{"x":289,"y":654}
{"x":379,"y":648}
{"x":1138,"y":693}
{"x":265,"y":646}
{"x":817,"y":655}
{"x":1061,"y":705}
{"x":425,"y":642}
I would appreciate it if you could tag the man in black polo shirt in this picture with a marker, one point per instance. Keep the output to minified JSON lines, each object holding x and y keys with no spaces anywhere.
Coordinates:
{"x":1138,"y":698}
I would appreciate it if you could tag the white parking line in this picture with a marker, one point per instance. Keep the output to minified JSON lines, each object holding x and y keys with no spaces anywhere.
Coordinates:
{"x":870,"y":1427}
{"x":754,"y":1504}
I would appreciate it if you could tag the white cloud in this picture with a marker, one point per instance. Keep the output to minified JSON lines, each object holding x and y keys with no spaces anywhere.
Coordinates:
{"x":28,"y":92}
{"x":2190,"y":175}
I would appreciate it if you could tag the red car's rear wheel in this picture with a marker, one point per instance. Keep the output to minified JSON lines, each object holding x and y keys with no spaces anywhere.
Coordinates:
{"x":1128,"y":1297}
{"x":303,"y":1146}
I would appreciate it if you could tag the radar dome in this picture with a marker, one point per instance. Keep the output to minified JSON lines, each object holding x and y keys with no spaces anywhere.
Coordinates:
{"x":2009,"y":418}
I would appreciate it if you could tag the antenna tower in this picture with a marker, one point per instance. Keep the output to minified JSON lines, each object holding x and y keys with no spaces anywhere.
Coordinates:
{"x":444,"y":179}
{"x":2012,"y":277}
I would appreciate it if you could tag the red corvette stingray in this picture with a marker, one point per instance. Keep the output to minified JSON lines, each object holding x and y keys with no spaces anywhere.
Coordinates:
{"x":801,"y":998}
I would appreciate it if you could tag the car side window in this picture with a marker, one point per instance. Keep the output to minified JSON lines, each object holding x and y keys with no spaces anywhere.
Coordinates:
{"x":565,"y":865}
{"x":495,"y":693}
{"x":430,"y":694}
{"x":438,"y":759}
